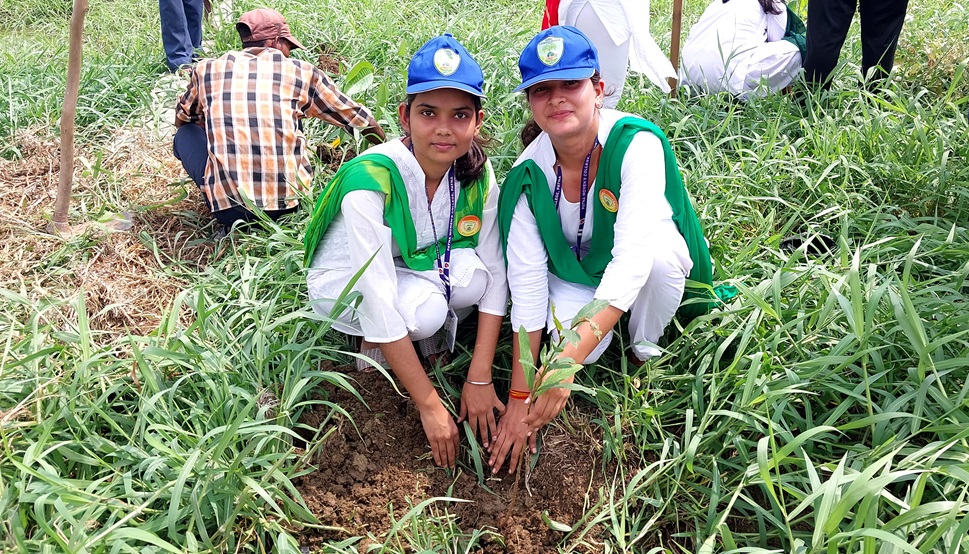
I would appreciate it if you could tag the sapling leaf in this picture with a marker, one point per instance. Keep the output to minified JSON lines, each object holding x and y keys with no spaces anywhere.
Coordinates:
{"x":555,"y":525}
{"x":556,"y":378}
{"x":383,"y":94}
{"x":589,"y":310}
{"x":359,"y":78}
{"x":575,"y":387}
{"x":555,"y":319}
{"x":570,"y":335}
{"x":525,"y":356}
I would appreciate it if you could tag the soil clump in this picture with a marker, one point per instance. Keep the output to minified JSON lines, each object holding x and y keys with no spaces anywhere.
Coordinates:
{"x":377,"y":465}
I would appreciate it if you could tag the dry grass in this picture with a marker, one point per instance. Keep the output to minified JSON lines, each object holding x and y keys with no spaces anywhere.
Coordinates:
{"x":129,"y":278}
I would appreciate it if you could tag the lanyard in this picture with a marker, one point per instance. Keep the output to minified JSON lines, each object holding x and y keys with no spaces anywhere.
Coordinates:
{"x":583,"y":192}
{"x":443,"y":267}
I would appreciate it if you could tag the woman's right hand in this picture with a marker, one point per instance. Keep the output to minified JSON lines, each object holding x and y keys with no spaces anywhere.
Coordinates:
{"x":441,"y":432}
{"x":478,"y":405}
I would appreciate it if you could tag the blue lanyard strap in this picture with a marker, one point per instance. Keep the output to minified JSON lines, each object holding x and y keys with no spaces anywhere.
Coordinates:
{"x":443,"y":266}
{"x":583,"y":193}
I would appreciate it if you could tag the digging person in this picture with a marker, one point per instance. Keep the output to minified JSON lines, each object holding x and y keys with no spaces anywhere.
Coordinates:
{"x":239,"y":133}
{"x":593,"y":209}
{"x":412,"y":225}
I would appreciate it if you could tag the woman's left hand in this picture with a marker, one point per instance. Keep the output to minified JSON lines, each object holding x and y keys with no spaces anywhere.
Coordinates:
{"x":545,"y":407}
{"x":478,"y":405}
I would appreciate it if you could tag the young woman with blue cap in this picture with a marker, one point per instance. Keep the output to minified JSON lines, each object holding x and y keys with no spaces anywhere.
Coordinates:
{"x":594,"y":208}
{"x":418,"y":216}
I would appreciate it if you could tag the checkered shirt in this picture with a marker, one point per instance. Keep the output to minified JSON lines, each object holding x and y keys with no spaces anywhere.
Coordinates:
{"x":251,"y":103}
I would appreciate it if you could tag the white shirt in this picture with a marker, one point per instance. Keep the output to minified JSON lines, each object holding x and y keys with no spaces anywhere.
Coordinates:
{"x":644,"y":229}
{"x":735,"y":45}
{"x":359,"y":231}
{"x":625,"y":20}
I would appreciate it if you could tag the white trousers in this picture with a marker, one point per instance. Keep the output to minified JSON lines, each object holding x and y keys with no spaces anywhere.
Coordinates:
{"x":613,"y":58}
{"x":421,"y":304}
{"x":649,"y":314}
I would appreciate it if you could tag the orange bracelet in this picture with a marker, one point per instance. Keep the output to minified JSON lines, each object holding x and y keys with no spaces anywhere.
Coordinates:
{"x":518,"y":394}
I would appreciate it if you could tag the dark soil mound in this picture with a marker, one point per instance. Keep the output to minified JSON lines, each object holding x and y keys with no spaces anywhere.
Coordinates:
{"x":387,"y":469}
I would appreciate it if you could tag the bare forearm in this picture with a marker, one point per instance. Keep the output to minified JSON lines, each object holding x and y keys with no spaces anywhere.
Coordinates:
{"x":517,"y":373}
{"x":489,"y":326}
{"x":407,"y":367}
{"x":604,"y":321}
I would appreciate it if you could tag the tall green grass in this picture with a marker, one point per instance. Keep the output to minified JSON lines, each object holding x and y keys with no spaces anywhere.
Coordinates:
{"x":182,"y":440}
{"x":824,"y":409}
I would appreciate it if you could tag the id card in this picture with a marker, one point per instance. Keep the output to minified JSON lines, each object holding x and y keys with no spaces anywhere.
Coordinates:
{"x":450,"y":329}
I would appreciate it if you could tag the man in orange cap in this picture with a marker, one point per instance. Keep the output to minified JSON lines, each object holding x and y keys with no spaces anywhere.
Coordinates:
{"x":239,"y":134}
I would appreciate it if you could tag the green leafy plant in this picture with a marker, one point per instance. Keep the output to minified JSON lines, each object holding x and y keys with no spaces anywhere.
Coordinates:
{"x":555,"y":371}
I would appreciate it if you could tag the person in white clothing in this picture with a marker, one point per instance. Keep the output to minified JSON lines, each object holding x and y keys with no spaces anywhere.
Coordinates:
{"x":743,"y":47}
{"x":415,"y":219}
{"x":620,"y":31}
{"x":594,"y":208}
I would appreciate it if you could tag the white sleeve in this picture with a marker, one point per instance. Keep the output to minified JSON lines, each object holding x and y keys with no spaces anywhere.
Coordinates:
{"x":495,"y":299}
{"x":775,"y":63}
{"x":643,"y":209}
{"x":527,"y":270}
{"x":379,"y":313}
{"x":777,"y":23}
{"x":645,"y":56}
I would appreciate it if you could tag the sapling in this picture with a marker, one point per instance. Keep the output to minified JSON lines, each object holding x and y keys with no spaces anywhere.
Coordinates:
{"x":556,"y":370}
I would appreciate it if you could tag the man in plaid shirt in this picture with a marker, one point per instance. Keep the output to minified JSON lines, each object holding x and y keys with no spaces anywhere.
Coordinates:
{"x":239,"y":134}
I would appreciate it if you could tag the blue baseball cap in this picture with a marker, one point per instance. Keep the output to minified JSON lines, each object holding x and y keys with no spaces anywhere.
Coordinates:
{"x":558,"y":53}
{"x":443,"y":63}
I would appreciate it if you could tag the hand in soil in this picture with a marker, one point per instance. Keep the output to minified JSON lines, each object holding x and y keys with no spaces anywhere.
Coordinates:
{"x":544,"y":408}
{"x":442,"y":434}
{"x":478,"y":405}
{"x":513,"y":435}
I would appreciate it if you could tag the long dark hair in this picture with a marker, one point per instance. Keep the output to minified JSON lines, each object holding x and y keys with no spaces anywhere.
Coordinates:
{"x":469,"y":167}
{"x":531,"y":130}
{"x":767,"y":5}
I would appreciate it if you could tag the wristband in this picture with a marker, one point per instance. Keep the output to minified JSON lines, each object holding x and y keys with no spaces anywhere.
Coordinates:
{"x":518,"y":394}
{"x":480,"y":383}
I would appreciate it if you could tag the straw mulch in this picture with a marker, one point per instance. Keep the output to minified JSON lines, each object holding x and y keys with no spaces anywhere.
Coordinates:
{"x":128,"y":278}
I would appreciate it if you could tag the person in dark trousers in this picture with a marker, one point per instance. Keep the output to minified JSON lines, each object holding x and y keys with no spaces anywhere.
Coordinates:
{"x":827,"y":28}
{"x":181,"y":30}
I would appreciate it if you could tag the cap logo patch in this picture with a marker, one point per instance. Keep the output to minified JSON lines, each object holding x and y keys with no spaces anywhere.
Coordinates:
{"x":550,"y":50}
{"x":446,"y":61}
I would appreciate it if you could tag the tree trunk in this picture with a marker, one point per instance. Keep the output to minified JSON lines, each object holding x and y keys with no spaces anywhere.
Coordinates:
{"x":68,"y":112}
{"x":675,"y":43}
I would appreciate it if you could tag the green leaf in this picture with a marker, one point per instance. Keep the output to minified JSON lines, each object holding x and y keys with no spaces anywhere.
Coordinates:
{"x":358,"y":79}
{"x":555,"y":525}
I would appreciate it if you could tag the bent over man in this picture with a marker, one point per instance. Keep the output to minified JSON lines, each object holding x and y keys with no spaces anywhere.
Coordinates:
{"x":239,"y":133}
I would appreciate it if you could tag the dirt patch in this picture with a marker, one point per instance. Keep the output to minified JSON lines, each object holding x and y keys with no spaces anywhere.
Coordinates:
{"x":329,"y":61}
{"x":383,"y":464}
{"x":332,"y":157}
{"x":129,"y":278}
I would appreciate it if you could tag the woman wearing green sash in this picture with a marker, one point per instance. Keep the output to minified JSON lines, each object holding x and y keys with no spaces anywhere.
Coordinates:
{"x":594,"y":208}
{"x":418,"y":215}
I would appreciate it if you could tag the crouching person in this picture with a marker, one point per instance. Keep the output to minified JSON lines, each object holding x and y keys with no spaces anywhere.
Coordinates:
{"x":594,"y":208}
{"x":418,"y":216}
{"x":239,"y":132}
